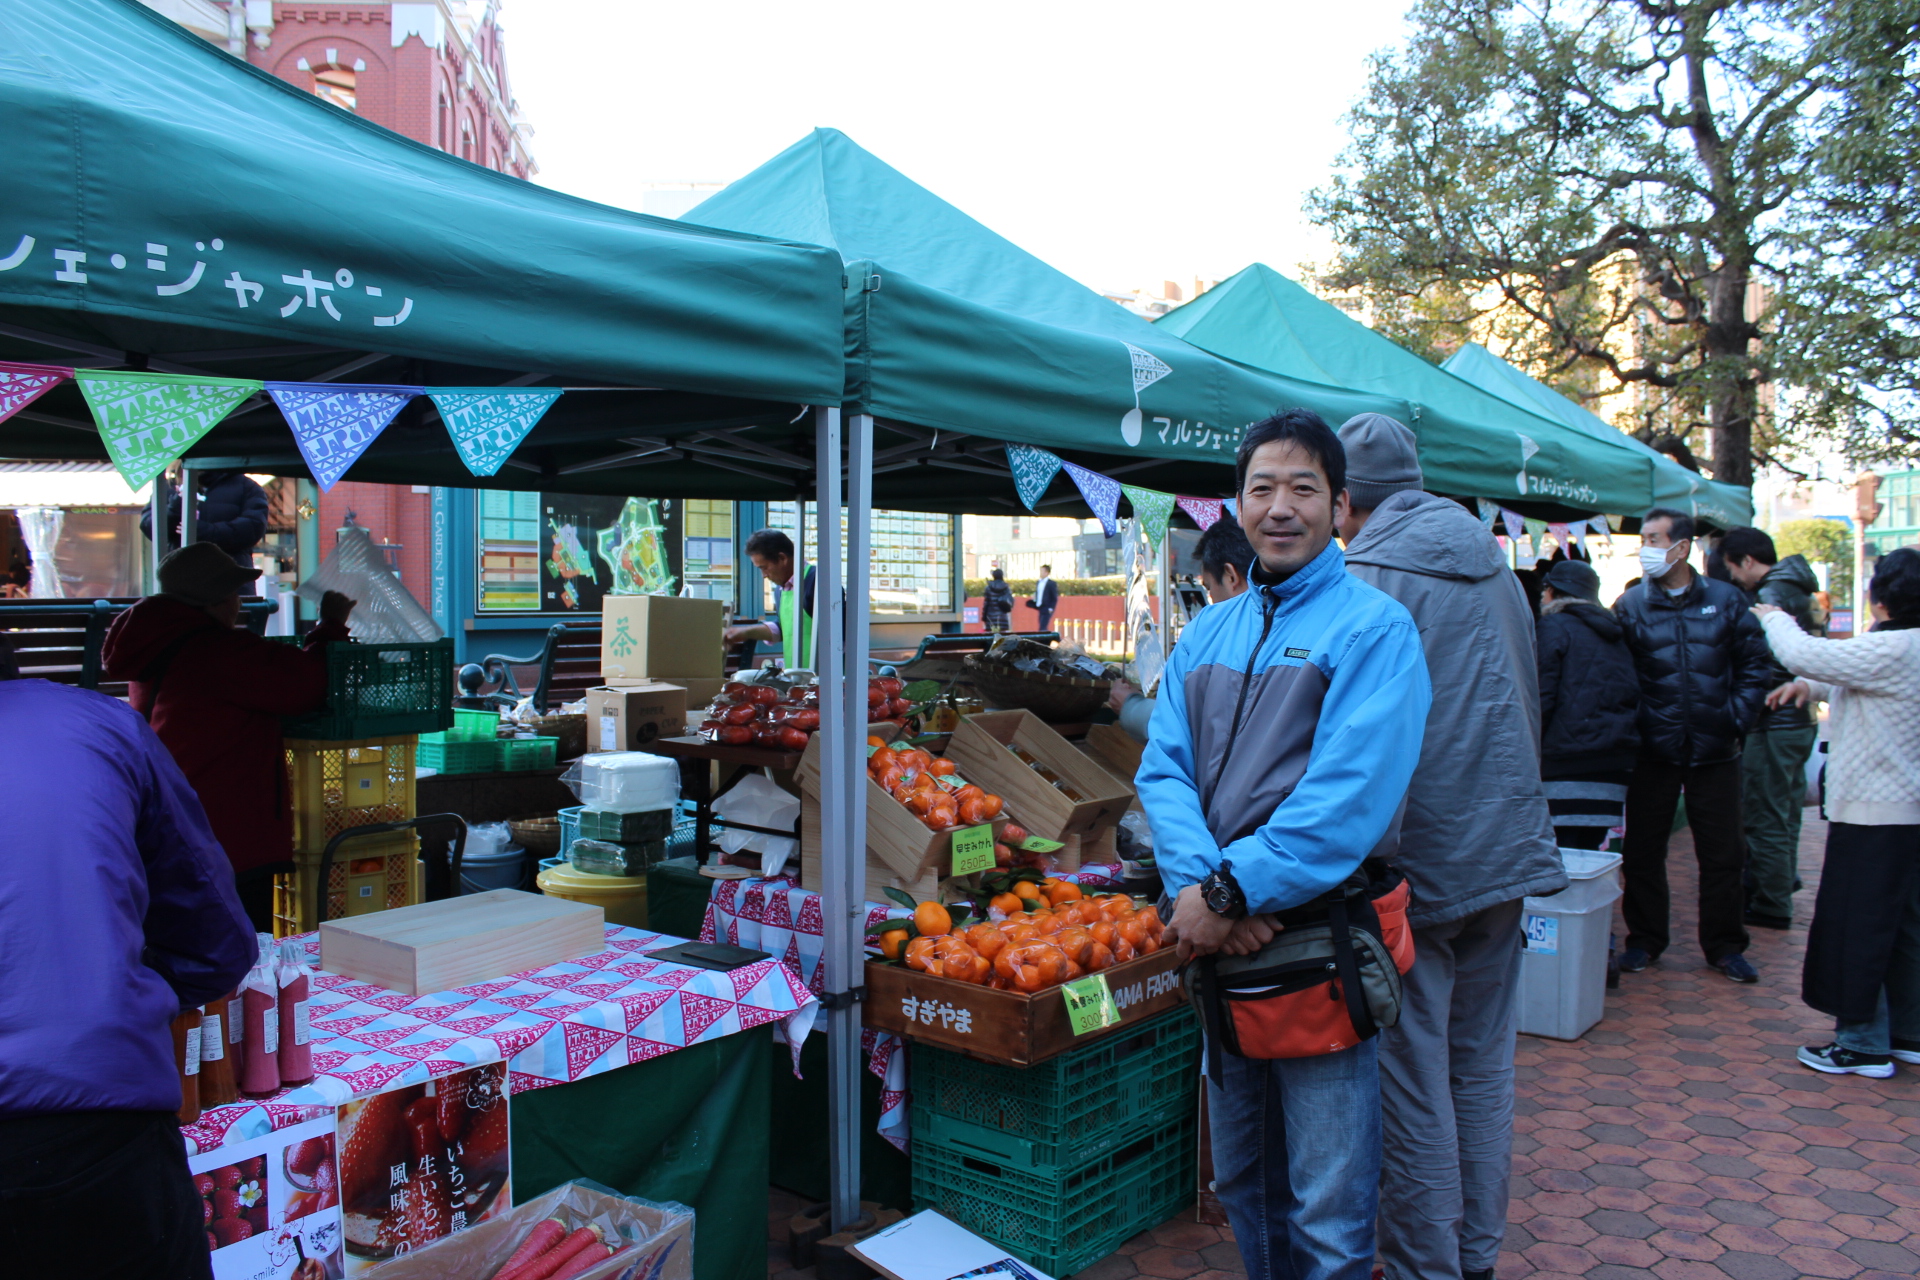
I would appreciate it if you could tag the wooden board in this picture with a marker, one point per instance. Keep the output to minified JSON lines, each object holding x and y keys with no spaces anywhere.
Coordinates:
{"x":878,"y":876}
{"x":437,"y":946}
{"x":1009,"y":1027}
{"x":1115,"y":750}
{"x":979,"y":749}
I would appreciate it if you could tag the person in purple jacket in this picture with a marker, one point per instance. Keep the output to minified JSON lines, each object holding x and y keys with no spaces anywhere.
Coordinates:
{"x":117,"y":911}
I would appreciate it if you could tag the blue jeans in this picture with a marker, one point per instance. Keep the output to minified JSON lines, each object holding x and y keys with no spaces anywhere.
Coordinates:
{"x":1296,"y":1162}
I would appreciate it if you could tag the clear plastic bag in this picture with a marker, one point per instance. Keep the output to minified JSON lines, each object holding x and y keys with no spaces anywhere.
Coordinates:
{"x":386,"y":609}
{"x":625,"y":780}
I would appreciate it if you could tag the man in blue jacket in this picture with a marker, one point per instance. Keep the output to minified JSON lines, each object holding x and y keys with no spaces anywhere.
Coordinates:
{"x":1288,"y":724}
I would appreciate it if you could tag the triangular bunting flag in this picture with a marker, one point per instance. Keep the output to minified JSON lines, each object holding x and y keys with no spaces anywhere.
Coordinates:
{"x":146,"y":420}
{"x":1101,"y":493}
{"x":1203,"y":511}
{"x":487,"y":426}
{"x":1515,"y":525}
{"x":1614,"y":523}
{"x":1560,"y":535}
{"x":1033,"y":470}
{"x":1229,"y":506}
{"x":1580,"y":536}
{"x":1536,"y":529}
{"x":22,"y":384}
{"x":1488,"y":511}
{"x":1152,"y":509}
{"x":333,"y":425}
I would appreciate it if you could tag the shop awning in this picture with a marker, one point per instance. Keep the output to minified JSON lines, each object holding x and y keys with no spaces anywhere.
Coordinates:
{"x":1472,"y":443}
{"x":66,"y":484}
{"x":172,"y":208}
{"x":953,"y":329}
{"x":1723,"y":505}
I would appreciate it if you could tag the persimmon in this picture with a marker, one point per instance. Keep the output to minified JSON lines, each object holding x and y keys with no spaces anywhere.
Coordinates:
{"x":1099,"y":957}
{"x":1075,"y":941}
{"x":939,"y":816}
{"x":932,"y":920}
{"x":1027,"y":889}
{"x":919,"y":954}
{"x":992,"y":805}
{"x":893,"y":941}
{"x":1002,"y":856}
{"x":1014,"y":834}
{"x":912,"y":758}
{"x":1104,"y":932}
{"x":1051,"y":924}
{"x":1025,"y":931}
{"x":1123,"y":951}
{"x":942,"y":767}
{"x":986,"y":939}
{"x":953,"y":958}
{"x":1032,"y":966}
{"x":973,"y":812}
{"x":1062,"y":891}
{"x":1009,"y":904}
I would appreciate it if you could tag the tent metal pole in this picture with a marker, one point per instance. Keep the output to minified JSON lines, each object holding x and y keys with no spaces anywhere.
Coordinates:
{"x":841,"y":857}
{"x":157,"y":521}
{"x":189,"y":513}
{"x":1165,"y":629}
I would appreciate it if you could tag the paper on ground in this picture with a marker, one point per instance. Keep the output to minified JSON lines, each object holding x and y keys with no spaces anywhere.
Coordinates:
{"x":928,"y":1246}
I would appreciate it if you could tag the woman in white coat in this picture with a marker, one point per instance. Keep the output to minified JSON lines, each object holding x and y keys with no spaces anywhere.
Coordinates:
{"x":1863,"y":949}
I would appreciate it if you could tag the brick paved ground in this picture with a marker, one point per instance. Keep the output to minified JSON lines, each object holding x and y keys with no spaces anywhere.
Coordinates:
{"x":1678,"y":1141}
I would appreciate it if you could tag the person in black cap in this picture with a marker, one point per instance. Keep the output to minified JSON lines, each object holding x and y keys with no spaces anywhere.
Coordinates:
{"x":1589,"y":694}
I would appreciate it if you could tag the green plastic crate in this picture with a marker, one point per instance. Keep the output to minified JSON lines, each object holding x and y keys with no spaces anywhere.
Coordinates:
{"x":1039,"y":1117}
{"x":626,"y":828}
{"x":380,"y":691}
{"x":474,"y":726}
{"x":452,"y":755}
{"x":1063,"y":1223}
{"x":526,"y":753}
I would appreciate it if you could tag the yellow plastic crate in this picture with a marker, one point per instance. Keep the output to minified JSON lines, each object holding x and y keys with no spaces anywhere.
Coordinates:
{"x":370,"y":874}
{"x":336,"y":785}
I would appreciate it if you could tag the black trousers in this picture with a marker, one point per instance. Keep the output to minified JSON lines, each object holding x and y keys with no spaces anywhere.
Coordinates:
{"x":1719,"y":844}
{"x":1866,"y":893}
{"x":99,"y":1195}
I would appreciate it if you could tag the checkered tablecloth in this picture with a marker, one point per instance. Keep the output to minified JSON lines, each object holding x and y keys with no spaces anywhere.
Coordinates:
{"x":552,"y":1025}
{"x":778,"y":916}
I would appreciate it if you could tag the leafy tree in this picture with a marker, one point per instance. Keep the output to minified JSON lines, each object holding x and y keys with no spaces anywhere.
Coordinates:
{"x":1616,"y":188}
{"x":1825,"y":542}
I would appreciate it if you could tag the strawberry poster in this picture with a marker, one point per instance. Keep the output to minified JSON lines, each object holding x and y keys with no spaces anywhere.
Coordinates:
{"x":271,"y":1205}
{"x":421,"y":1162}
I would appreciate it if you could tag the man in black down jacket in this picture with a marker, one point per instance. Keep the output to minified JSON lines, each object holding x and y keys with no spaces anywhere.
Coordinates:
{"x":1704,"y":673}
{"x":1774,"y":765}
{"x":232,"y":514}
{"x":1589,"y":696}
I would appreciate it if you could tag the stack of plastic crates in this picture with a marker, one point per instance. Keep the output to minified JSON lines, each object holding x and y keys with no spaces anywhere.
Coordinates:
{"x":1063,"y":1161}
{"x":381,"y":689}
{"x":334,"y":786}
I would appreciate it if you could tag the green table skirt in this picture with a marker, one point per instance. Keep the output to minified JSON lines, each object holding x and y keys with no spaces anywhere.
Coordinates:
{"x":691,"y":1126}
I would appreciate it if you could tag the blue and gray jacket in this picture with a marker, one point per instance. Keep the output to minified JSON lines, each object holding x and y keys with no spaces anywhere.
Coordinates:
{"x":1289,"y":722}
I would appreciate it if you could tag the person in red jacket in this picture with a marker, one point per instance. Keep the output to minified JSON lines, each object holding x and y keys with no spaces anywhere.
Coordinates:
{"x":214,"y":693}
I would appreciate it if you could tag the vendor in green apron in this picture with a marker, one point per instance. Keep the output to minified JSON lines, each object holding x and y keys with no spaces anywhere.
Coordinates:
{"x":792,"y":624}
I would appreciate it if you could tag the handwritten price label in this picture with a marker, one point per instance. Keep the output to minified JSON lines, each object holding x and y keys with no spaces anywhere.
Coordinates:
{"x":1090,"y":1004}
{"x":1040,"y":844}
{"x":973,"y":849}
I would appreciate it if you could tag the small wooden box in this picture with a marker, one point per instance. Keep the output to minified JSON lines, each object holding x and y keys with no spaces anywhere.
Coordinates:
{"x":1009,"y":1027}
{"x":922,"y":887}
{"x":1114,"y":750}
{"x":899,"y":840}
{"x":438,"y":946}
{"x":980,"y":750}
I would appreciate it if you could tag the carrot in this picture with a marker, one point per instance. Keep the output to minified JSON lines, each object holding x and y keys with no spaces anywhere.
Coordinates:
{"x":543,"y":1267}
{"x":546,"y":1233}
{"x":585,"y":1260}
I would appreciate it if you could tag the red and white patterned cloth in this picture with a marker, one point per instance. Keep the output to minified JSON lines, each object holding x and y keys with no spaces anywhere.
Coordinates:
{"x":777,"y":915}
{"x":552,"y":1025}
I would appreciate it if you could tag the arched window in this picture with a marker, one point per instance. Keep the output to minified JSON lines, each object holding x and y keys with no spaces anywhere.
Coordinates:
{"x":338,"y":85}
{"x":443,"y":120}
{"x":466,"y":140}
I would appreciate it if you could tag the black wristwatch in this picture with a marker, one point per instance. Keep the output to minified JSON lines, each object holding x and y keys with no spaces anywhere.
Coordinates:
{"x":1221,"y":892}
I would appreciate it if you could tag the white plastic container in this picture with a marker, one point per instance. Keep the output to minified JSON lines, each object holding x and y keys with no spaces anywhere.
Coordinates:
{"x":629,"y":781}
{"x":1563,"y":968}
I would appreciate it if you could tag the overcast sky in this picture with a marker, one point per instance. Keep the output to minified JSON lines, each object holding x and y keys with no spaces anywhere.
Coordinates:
{"x":1123,"y":142}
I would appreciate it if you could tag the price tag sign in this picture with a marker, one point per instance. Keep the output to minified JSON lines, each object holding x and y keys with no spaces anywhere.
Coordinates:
{"x":973,"y":849}
{"x":1090,"y":1004}
{"x":949,"y":781}
{"x":1040,"y":844}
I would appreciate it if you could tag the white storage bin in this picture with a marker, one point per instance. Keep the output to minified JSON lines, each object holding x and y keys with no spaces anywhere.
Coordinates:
{"x":1563,"y":968}
{"x":629,"y":781}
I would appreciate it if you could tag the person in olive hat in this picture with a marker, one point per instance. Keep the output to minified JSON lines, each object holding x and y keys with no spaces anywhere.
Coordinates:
{"x":1589,"y":695}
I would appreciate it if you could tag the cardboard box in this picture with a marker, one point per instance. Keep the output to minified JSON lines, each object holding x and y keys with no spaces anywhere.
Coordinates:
{"x":645,"y":637}
{"x":1010,"y":1027}
{"x":980,"y":747}
{"x":633,"y":717}
{"x":437,"y":946}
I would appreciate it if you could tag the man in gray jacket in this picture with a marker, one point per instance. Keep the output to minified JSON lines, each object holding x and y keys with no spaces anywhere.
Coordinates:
{"x":1475,"y":840}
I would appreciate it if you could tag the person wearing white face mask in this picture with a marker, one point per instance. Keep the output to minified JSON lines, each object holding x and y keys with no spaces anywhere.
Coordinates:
{"x":1704,"y":673}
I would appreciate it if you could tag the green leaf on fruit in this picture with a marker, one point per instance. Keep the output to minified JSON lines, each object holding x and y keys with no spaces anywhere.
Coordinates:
{"x":900,"y":896}
{"x":921,"y":691}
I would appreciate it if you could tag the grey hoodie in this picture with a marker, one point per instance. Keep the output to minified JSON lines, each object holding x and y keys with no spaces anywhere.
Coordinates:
{"x":1476,"y":831}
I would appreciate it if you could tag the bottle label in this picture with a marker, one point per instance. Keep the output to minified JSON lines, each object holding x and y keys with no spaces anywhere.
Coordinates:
{"x":236,"y":1025}
{"x":270,"y":1039}
{"x":213,"y":1046}
{"x":300,"y":1033}
{"x":192,"y":1063}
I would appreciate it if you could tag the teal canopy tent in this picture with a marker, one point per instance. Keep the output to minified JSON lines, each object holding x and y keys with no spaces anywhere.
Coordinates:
{"x":1722,"y":505}
{"x":171,"y":209}
{"x":1472,"y":444}
{"x":958,"y":339}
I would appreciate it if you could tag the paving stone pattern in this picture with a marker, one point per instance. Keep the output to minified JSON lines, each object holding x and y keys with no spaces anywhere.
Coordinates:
{"x":1679,"y":1140}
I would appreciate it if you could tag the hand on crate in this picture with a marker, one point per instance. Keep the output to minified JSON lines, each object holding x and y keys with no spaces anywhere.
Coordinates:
{"x":335,"y":606}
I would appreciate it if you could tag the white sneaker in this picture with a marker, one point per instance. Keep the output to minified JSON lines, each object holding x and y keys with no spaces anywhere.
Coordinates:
{"x":1838,"y":1060}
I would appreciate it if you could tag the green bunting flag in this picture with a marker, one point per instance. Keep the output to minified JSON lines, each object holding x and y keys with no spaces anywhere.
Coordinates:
{"x":1152,"y":509}
{"x":1536,"y":529}
{"x":147,"y":420}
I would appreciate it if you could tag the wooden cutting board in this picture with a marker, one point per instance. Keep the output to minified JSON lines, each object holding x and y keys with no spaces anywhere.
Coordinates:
{"x":437,"y":946}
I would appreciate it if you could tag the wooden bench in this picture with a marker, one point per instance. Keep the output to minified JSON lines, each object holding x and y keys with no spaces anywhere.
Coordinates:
{"x":567,"y":665}
{"x":60,"y":640}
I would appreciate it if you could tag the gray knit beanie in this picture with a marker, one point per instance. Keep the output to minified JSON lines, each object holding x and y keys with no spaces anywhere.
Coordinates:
{"x":1382,"y":459}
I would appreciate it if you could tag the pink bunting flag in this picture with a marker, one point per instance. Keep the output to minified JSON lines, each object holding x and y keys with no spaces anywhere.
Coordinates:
{"x":1203,"y":511}
{"x":22,"y":384}
{"x":1561,"y":534}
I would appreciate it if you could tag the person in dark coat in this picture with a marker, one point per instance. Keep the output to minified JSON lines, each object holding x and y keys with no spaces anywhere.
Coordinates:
{"x":1774,"y":764}
{"x":1704,"y":672}
{"x":1046,"y":598}
{"x":1589,"y":700}
{"x":996,"y":608}
{"x":232,"y":515}
{"x":215,"y":693}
